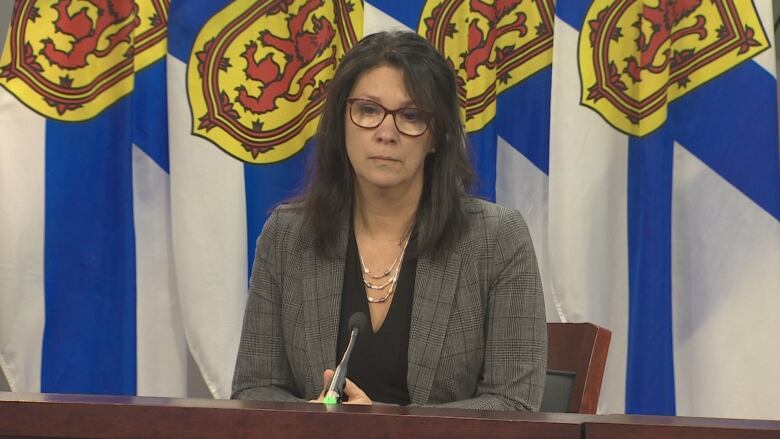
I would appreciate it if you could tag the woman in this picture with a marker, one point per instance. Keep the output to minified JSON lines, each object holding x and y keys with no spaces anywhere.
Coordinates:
{"x":450,"y":282}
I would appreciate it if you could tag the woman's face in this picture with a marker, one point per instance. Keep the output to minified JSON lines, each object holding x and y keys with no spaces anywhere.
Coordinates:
{"x":384,"y":157}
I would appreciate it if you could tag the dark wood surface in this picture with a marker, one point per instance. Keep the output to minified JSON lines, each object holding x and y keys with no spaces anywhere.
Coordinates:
{"x":581,"y":348}
{"x":71,"y":416}
{"x":658,"y":427}
{"x":79,"y":416}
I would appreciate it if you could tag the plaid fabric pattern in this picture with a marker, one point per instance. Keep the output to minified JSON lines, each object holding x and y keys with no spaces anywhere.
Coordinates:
{"x":478,"y":333}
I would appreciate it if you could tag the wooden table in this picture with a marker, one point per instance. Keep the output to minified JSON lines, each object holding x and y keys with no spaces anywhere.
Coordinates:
{"x":81,"y":416}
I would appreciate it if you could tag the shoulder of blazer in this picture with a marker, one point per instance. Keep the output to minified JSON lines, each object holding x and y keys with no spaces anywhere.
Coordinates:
{"x":473,"y":205}
{"x":489,"y":223}
{"x":485,"y":217}
{"x":290,"y":229}
{"x":289,"y":215}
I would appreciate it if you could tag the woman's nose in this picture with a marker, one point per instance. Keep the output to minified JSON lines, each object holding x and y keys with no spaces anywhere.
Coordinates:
{"x":387,"y":131}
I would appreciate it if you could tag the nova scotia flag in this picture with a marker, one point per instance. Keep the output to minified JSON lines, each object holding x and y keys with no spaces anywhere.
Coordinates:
{"x":87,"y":301}
{"x":664,"y":200}
{"x":245,"y":85}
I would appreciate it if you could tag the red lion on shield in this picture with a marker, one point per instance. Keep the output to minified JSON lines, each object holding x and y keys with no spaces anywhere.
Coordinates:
{"x":87,"y":34}
{"x":300,"y":49}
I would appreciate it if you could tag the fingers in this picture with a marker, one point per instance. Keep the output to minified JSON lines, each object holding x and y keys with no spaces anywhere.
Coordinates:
{"x":326,"y":377}
{"x":355,"y":394}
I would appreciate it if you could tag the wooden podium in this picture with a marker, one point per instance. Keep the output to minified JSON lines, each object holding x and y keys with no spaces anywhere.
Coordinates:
{"x":79,"y":416}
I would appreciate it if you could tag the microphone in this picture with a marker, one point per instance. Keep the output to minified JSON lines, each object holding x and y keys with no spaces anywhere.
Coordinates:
{"x":358,"y":323}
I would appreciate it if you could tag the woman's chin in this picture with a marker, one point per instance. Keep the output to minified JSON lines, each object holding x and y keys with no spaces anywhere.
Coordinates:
{"x":384,"y":181}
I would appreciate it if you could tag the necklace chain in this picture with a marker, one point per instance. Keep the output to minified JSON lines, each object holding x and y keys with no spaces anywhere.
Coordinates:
{"x":393,"y":271}
{"x":367,"y":272}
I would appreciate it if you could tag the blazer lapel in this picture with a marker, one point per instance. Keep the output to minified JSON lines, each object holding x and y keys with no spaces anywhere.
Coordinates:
{"x":322,"y":285}
{"x":434,"y":292}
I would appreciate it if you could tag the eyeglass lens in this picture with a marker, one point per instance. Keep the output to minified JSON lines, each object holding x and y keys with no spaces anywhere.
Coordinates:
{"x":369,"y":114}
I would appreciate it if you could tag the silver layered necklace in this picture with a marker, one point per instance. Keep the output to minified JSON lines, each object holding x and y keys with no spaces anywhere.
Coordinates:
{"x":391,"y":274}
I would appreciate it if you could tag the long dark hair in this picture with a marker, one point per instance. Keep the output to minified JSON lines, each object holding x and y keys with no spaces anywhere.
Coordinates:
{"x":447,"y":174}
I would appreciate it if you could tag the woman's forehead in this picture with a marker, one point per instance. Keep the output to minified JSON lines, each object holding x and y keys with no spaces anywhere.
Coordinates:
{"x":383,"y":84}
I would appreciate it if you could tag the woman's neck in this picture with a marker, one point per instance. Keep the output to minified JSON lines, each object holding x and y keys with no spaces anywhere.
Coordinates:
{"x":385,"y":215}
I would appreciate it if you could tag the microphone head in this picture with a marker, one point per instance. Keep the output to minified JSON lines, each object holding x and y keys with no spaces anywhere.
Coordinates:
{"x":359,"y":321}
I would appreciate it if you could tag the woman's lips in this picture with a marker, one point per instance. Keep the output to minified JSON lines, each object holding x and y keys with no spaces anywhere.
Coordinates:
{"x":383,"y":158}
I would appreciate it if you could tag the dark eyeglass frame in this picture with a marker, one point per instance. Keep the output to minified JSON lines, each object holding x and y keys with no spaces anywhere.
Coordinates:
{"x":425,"y":115}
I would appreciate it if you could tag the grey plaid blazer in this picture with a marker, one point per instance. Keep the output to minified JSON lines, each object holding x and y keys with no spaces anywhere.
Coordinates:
{"x":478,"y":334}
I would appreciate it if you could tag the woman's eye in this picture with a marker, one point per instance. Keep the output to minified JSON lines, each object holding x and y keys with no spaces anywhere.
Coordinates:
{"x":369,"y":109}
{"x":411,"y":115}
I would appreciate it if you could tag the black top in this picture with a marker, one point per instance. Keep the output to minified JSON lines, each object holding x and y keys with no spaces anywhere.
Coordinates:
{"x":379,"y":360}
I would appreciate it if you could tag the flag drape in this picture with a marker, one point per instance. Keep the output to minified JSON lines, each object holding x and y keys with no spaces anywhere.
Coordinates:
{"x":663,"y":195}
{"x":87,"y":303}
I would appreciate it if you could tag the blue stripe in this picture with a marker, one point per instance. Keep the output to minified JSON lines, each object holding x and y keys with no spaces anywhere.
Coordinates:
{"x":483,"y":154}
{"x":523,"y":118}
{"x":650,"y":366}
{"x":150,"y":121}
{"x":185,"y":20}
{"x":572,"y":12}
{"x":89,"y":342}
{"x":265,"y":187}
{"x":407,"y":12}
{"x":731,"y":125}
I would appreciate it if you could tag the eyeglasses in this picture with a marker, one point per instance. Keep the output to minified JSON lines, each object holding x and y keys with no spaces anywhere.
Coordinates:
{"x":366,"y":113}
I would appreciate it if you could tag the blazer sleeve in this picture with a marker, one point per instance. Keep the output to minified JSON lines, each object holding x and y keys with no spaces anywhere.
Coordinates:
{"x":515,"y":358}
{"x":262,"y":369}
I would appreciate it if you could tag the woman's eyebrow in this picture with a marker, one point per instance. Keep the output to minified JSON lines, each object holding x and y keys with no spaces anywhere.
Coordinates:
{"x":407,"y":103}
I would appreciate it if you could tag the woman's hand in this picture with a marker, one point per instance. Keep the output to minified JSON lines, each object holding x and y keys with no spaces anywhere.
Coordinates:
{"x":353,"y":393}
